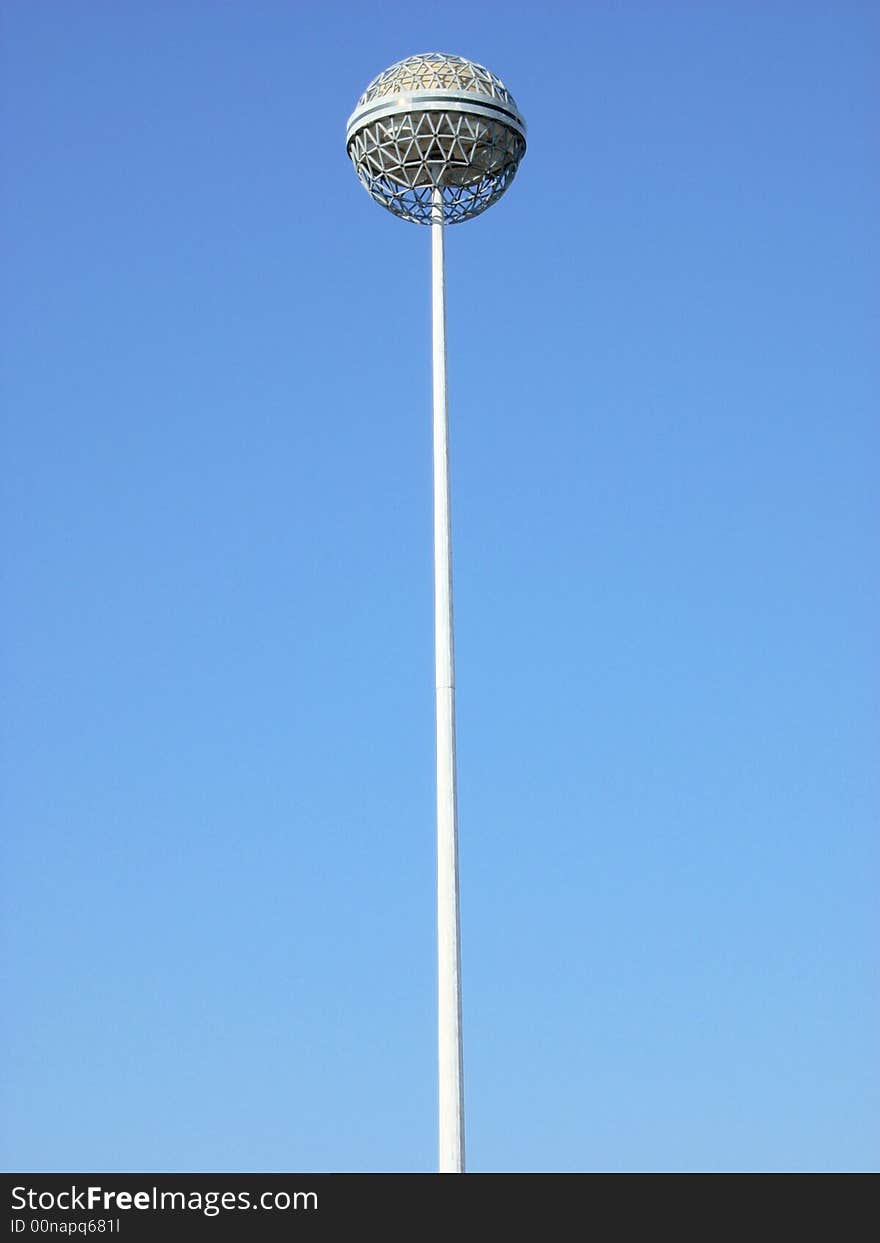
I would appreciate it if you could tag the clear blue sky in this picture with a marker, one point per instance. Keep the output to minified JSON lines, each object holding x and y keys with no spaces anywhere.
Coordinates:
{"x":217,"y":629}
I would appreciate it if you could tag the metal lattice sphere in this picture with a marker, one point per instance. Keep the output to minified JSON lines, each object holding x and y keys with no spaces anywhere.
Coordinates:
{"x":436,"y":134}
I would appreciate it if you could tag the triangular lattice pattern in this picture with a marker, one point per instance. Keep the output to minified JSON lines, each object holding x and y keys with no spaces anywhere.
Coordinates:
{"x":400,"y":160}
{"x":436,"y":71}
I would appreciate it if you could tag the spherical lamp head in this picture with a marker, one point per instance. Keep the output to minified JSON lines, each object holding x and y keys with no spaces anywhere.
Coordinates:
{"x":436,"y":138}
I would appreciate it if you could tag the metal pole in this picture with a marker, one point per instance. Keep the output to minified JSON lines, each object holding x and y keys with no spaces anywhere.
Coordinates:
{"x":451,"y":1094}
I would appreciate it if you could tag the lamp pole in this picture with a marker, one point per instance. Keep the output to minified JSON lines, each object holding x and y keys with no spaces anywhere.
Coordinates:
{"x":436,"y":139}
{"x":449,"y":1043}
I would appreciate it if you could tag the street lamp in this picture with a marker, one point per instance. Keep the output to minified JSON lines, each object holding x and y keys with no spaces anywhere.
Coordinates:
{"x":436,"y":139}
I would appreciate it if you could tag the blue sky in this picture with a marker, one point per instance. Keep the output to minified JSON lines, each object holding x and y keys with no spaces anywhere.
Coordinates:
{"x":217,"y":630}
